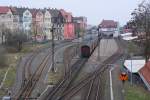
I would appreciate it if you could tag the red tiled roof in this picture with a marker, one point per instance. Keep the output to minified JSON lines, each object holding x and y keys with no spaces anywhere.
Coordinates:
{"x":145,"y":72}
{"x":4,"y":9}
{"x":108,"y":24}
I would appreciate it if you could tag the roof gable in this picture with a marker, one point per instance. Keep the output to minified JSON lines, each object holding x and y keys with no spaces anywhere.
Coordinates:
{"x":47,"y":14}
{"x":14,"y":10}
{"x":33,"y":12}
{"x":20,"y":11}
{"x":54,"y":12}
{"x":4,"y":9}
{"x":108,"y":24}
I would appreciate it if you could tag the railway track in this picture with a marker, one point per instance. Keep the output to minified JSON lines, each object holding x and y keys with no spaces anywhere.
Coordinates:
{"x":31,"y":81}
{"x":93,"y":79}
{"x":65,"y":83}
{"x":94,"y":89}
{"x":27,"y":73}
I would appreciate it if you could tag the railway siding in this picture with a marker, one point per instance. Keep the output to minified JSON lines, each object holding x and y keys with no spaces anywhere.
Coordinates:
{"x":41,"y":85}
{"x":22,"y":70}
{"x":60,"y":55}
{"x":107,"y":48}
{"x":93,"y":59}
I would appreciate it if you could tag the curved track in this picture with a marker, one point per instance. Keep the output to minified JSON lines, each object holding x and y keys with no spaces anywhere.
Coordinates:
{"x":65,"y":83}
{"x":31,"y":81}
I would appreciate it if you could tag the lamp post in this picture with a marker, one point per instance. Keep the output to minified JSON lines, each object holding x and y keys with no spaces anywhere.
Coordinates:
{"x":131,"y":68}
{"x":53,"y":45}
{"x":99,"y":38}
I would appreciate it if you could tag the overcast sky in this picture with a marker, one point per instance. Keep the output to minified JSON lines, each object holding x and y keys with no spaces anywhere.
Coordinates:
{"x":94,"y":10}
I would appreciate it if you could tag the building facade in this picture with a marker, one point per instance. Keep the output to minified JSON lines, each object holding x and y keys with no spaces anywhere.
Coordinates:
{"x":58,"y":24}
{"x":6,"y":22}
{"x":41,"y":21}
{"x":15,"y":19}
{"x":6,"y":17}
{"x":80,"y":25}
{"x":47,"y":24}
{"x":110,"y":28}
{"x":69,"y":28}
{"x":27,"y":20}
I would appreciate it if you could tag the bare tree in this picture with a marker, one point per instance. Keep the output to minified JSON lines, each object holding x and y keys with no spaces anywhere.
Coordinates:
{"x":2,"y":31}
{"x":15,"y":39}
{"x":34,"y":31}
{"x":140,"y":24}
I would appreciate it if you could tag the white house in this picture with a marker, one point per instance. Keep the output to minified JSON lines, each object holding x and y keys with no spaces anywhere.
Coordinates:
{"x":6,"y":21}
{"x":27,"y":20}
{"x":6,"y":17}
{"x":110,"y":28}
{"x":47,"y":24}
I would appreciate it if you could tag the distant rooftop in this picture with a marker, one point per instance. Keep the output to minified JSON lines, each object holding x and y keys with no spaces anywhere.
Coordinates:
{"x":108,"y":24}
{"x":145,"y":74}
{"x":134,"y":65}
{"x":4,"y":9}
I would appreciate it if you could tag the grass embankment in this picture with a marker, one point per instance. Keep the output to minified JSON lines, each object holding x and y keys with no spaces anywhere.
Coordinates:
{"x":132,"y":47}
{"x":61,"y":65}
{"x":31,"y":47}
{"x":11,"y":59}
{"x":135,"y":92}
{"x":53,"y":77}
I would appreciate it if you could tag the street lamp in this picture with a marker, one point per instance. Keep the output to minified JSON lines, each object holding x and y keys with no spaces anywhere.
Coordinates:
{"x":53,"y":45}
{"x":131,"y":68}
{"x":99,"y":38}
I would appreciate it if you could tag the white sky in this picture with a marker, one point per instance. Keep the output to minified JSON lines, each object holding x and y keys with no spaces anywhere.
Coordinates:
{"x":94,"y":10}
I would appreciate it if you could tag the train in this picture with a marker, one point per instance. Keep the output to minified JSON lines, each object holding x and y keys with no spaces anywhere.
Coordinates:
{"x":89,"y":44}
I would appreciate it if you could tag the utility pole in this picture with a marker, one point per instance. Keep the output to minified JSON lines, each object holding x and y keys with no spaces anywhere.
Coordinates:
{"x":99,"y":38}
{"x":53,"y":45}
{"x":131,"y":68}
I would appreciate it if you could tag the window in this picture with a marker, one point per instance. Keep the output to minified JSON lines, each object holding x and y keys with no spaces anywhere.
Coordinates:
{"x":27,"y":13}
